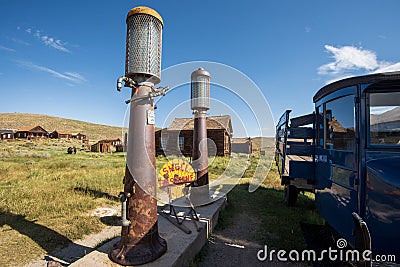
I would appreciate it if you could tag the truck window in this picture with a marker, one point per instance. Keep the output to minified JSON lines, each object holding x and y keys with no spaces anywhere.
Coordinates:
{"x":320,"y":127}
{"x":384,"y":118}
{"x":339,"y":124}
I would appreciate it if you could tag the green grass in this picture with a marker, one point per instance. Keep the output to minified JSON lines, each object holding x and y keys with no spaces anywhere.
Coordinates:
{"x":280,"y":225}
{"x":46,"y":196}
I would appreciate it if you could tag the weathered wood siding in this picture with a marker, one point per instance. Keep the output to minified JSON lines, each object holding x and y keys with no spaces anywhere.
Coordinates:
{"x":220,"y":138}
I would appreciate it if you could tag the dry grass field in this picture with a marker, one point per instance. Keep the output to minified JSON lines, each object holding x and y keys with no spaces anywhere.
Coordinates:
{"x":47,"y":196}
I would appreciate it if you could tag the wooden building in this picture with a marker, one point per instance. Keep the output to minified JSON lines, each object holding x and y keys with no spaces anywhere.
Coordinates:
{"x":241,"y":145}
{"x":78,"y":136}
{"x":107,"y":146}
{"x":7,"y":135}
{"x":31,"y":132}
{"x":178,"y":137}
{"x":60,"y":135}
{"x":119,"y":148}
{"x":86,"y":145}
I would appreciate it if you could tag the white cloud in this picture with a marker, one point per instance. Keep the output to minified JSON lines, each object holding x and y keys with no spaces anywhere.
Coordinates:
{"x":6,"y":49}
{"x":75,"y":75}
{"x":388,"y":67}
{"x":48,"y":40}
{"x":70,"y":76}
{"x":348,"y":59}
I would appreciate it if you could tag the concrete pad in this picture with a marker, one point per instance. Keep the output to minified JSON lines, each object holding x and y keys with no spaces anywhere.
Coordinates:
{"x":78,"y":249}
{"x":181,"y":247}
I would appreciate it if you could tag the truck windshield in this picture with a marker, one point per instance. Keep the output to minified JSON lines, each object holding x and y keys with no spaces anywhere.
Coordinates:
{"x":384,"y":118}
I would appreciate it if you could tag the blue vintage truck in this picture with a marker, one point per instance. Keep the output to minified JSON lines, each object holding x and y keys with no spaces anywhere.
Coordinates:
{"x":347,"y":152}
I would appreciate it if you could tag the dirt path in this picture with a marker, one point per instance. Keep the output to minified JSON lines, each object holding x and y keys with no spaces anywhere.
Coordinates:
{"x":233,"y":246}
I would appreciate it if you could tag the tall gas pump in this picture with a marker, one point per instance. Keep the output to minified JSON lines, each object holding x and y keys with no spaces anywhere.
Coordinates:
{"x":200,"y":103}
{"x":140,"y":241}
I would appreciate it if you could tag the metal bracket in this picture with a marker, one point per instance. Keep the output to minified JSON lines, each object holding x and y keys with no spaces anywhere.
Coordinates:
{"x":160,"y":91}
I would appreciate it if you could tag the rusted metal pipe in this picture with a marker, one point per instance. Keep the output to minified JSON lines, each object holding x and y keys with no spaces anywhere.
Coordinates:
{"x":200,"y":149}
{"x":199,"y":193}
{"x":140,"y":242}
{"x":128,"y":82}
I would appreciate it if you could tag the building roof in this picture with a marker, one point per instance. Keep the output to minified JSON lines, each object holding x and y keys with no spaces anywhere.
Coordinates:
{"x":109,"y":140}
{"x":213,"y":123}
{"x":78,"y":134}
{"x":60,"y":132}
{"x":240,"y":140}
{"x":7,"y":131}
{"x":25,"y":129}
{"x":33,"y":129}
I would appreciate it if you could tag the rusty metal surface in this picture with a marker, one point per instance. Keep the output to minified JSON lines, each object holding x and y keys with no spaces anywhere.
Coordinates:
{"x":140,"y":241}
{"x":200,"y":149}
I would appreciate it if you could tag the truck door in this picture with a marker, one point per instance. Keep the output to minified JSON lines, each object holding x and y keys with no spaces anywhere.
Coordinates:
{"x":336,"y":161}
{"x":380,"y":167}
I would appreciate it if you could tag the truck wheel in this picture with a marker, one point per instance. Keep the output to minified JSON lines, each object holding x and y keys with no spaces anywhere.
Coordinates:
{"x":290,"y":196}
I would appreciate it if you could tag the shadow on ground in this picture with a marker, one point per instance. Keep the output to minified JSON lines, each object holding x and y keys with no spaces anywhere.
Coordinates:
{"x":45,"y":237}
{"x":96,"y":193}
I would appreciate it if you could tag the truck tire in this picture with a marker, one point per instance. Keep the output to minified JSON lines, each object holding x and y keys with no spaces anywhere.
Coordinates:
{"x":290,"y":195}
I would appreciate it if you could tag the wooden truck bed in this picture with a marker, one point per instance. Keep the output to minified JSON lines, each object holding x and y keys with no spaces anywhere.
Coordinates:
{"x":295,"y":158}
{"x":294,"y":153}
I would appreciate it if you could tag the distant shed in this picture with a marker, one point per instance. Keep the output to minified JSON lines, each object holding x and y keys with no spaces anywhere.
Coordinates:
{"x":79,"y":136}
{"x":7,"y":135}
{"x":241,"y":145}
{"x":107,"y":146}
{"x":60,"y":135}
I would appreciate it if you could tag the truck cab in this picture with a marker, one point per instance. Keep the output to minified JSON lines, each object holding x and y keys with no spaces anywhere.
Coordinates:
{"x":350,"y":151}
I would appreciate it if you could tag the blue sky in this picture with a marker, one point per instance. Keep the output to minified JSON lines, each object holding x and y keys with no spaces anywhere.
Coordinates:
{"x":62,"y":58}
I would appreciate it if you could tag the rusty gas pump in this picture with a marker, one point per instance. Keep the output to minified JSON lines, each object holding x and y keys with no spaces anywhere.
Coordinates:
{"x":140,"y":241}
{"x":200,"y":103}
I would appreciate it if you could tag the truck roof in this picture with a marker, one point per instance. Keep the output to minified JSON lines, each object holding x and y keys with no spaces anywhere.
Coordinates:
{"x":371,"y":78}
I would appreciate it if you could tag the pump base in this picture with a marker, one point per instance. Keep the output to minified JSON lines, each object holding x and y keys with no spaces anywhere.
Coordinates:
{"x":149,"y":248}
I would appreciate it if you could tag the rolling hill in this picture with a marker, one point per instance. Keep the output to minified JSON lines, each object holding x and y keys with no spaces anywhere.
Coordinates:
{"x":93,"y":131}
{"x":388,"y":116}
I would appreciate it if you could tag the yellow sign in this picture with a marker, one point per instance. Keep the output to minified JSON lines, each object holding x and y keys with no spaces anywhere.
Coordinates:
{"x":176,"y":172}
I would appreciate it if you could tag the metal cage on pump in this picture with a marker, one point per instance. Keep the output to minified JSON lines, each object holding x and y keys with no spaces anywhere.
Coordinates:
{"x":200,"y":90}
{"x":143,"y":45}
